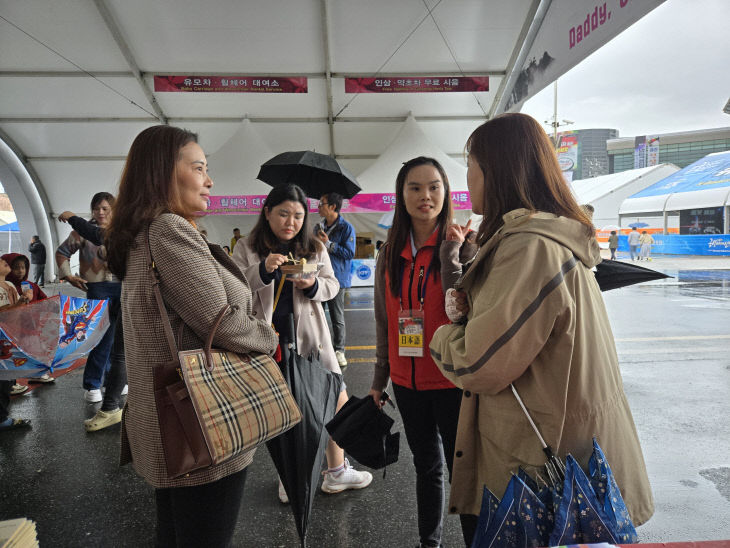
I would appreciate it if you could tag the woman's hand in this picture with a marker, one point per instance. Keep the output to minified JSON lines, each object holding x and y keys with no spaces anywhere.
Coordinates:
{"x":77,"y":281}
{"x":456,"y":305}
{"x":377,"y":395}
{"x":457,"y":233}
{"x":303,"y":283}
{"x":65,"y":216}
{"x":28,"y":294}
{"x":274,"y":261}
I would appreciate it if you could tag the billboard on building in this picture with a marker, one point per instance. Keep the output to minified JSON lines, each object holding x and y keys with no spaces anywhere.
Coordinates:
{"x":568,"y":153}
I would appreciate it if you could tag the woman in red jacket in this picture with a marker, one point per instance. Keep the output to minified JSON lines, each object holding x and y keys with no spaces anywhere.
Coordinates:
{"x":410,"y":282}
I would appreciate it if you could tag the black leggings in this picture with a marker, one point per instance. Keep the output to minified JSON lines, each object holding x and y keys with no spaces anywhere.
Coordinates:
{"x":204,"y":515}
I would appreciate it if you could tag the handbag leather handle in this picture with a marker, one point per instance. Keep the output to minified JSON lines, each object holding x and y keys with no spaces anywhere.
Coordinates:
{"x":166,"y":325}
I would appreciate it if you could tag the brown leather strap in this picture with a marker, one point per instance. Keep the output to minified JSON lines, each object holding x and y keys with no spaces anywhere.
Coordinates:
{"x":154,"y":275}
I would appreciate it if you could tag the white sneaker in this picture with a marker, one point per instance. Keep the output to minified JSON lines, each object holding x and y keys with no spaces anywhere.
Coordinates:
{"x":349,"y":478}
{"x":283,"y":497}
{"x":125,"y":390}
{"x":93,"y":395}
{"x":341,"y":358}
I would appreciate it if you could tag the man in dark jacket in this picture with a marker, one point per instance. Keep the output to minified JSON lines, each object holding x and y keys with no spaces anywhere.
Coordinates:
{"x":338,"y":236}
{"x":38,"y":259}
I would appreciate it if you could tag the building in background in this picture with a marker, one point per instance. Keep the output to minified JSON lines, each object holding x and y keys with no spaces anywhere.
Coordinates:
{"x":680,"y":149}
{"x":582,"y":153}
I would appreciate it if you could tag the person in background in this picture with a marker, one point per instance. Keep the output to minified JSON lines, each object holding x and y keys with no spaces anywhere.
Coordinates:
{"x":227,"y":249}
{"x":415,"y":268}
{"x":9,"y":299}
{"x":37,"y":252}
{"x":613,"y":244}
{"x":279,"y":231}
{"x":646,"y":240}
{"x":378,"y":245}
{"x":634,"y":241}
{"x":99,"y":283}
{"x":18,"y":276}
{"x":110,"y":412}
{"x":338,"y":236}
{"x":163,"y":190}
{"x":530,"y":314}
{"x":234,"y":240}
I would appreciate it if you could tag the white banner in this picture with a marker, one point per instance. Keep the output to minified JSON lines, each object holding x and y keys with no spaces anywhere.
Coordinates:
{"x":570,"y":32}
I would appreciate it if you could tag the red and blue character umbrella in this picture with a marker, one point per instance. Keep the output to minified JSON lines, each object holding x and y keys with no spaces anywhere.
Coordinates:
{"x":49,"y":334}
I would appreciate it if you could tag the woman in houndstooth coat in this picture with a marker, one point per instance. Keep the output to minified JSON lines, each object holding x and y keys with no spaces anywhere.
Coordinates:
{"x":164,"y":186}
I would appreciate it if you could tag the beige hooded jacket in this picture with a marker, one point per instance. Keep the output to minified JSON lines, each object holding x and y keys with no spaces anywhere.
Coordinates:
{"x":537,"y":319}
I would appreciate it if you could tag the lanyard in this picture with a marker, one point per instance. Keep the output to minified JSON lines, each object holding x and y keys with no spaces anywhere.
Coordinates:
{"x":422,"y":283}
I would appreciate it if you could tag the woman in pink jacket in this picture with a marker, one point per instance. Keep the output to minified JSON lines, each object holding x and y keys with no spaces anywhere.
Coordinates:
{"x":277,"y":234}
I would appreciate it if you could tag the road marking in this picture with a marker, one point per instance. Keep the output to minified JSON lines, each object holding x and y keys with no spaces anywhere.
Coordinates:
{"x":359,"y":309}
{"x":632,"y":339}
{"x":360,"y":360}
{"x":676,"y":338}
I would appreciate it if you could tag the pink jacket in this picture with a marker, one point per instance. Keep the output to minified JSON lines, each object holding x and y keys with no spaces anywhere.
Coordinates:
{"x":311,"y":324}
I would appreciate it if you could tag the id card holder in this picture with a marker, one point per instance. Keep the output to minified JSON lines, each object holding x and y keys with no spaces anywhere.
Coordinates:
{"x":410,"y":333}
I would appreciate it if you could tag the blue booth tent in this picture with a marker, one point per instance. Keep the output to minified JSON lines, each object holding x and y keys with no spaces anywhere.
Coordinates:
{"x":699,"y":190}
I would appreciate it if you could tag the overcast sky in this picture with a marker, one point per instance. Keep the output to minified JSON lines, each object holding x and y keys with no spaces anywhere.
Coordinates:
{"x":668,"y":72}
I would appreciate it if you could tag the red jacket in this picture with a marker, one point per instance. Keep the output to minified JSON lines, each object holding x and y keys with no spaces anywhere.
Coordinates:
{"x":417,"y":373}
{"x":38,"y":293}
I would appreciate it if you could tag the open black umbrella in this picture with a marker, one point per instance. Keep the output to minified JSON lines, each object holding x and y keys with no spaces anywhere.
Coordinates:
{"x":363,"y":430}
{"x":615,"y":274}
{"x":316,"y":174}
{"x":298,"y":453}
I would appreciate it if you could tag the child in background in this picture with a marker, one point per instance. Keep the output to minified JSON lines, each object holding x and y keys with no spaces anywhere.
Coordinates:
{"x":9,"y":299}
{"x":18,"y":276}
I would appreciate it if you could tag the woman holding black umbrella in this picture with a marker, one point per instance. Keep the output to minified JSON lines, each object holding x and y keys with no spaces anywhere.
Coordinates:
{"x":278,"y":237}
{"x":532,"y":315}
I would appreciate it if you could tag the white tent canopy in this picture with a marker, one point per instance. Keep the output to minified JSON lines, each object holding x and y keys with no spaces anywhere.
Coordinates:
{"x":607,"y":192}
{"x":77,"y":78}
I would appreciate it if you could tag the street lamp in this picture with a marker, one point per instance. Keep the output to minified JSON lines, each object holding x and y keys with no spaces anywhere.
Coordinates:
{"x":555,"y":124}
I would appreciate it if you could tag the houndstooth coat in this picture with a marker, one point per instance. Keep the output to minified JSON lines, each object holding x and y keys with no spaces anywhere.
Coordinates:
{"x":197,"y":280}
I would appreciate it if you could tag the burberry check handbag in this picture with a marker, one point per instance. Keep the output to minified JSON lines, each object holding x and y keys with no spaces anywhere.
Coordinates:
{"x":215,"y":404}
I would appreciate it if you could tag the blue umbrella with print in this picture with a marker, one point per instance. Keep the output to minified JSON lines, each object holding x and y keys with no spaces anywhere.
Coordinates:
{"x":585,"y":508}
{"x":49,"y":334}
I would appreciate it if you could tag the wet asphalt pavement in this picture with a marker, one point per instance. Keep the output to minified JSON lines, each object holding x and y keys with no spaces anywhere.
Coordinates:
{"x":672,"y":338}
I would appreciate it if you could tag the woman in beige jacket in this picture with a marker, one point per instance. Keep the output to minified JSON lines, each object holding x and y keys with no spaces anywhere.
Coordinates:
{"x":164,"y":187}
{"x":534,"y":318}
{"x":277,"y":236}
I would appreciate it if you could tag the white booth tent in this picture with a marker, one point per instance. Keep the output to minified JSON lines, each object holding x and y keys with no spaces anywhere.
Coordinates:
{"x":410,"y":142}
{"x":703,"y":184}
{"x":233,"y":168}
{"x":607,"y":192}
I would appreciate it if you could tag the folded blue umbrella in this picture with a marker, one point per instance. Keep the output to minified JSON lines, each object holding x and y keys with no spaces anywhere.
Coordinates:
{"x":520,"y":520}
{"x":582,"y":510}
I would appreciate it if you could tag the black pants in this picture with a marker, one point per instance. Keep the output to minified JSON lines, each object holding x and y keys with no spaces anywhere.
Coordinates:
{"x":204,"y":515}
{"x":5,"y":387}
{"x":116,"y":377}
{"x":430,"y":418}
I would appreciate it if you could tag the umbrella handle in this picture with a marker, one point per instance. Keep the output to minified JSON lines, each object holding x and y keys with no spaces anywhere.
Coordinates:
{"x":529,"y":418}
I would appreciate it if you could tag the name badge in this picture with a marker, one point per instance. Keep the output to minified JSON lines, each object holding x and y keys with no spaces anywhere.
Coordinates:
{"x":410,"y":333}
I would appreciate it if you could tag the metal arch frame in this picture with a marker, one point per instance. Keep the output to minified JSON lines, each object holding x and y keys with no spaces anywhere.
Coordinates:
{"x":35,"y":197}
{"x":524,"y":44}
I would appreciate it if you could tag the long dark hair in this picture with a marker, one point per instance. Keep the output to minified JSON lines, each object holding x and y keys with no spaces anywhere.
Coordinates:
{"x":401,"y":229}
{"x":147,"y":189}
{"x":520,"y":170}
{"x":262,"y":239}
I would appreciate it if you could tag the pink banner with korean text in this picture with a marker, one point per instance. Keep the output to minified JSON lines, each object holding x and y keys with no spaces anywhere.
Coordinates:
{"x":361,"y":203}
{"x":231,"y":84}
{"x":403,"y":84}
